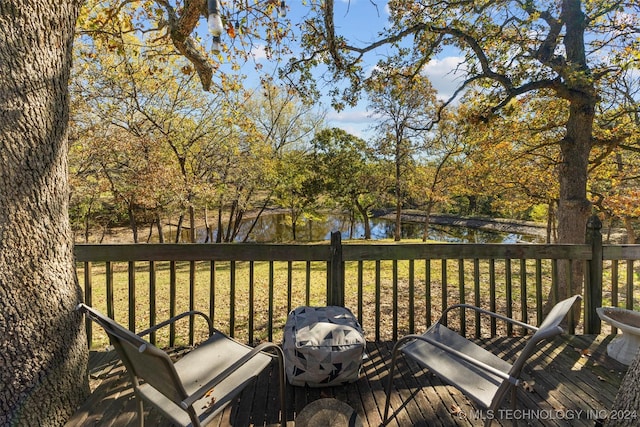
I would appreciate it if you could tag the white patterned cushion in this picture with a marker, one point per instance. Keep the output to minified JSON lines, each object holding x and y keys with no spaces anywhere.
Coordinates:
{"x":323,"y":346}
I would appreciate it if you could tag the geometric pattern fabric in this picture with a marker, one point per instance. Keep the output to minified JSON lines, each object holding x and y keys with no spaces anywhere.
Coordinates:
{"x":323,"y":346}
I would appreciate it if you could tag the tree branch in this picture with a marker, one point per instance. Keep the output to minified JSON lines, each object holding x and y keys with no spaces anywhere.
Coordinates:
{"x":180,"y":29}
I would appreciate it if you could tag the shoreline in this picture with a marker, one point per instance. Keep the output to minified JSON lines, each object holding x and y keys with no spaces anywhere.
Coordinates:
{"x":501,"y":225}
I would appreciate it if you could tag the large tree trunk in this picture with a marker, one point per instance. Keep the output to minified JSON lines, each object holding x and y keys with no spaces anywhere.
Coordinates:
{"x":627,"y":403}
{"x":44,"y":353}
{"x":574,"y":208}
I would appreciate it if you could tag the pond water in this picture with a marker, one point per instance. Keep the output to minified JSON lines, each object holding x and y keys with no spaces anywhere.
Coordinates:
{"x":275,"y":228}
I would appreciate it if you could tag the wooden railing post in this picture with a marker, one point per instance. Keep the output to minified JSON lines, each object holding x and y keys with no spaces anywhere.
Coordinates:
{"x":335,"y":285}
{"x":593,"y":285}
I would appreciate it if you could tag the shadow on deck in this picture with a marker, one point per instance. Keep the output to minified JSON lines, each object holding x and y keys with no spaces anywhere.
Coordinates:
{"x":569,"y":382}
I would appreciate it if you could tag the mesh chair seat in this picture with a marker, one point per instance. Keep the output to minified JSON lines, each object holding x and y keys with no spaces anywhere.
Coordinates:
{"x":193,"y":390}
{"x":475,"y":371}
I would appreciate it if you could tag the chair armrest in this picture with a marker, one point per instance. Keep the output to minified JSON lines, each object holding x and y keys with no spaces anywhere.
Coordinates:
{"x":199,"y":394}
{"x":176,"y":318}
{"x":489,"y":313}
{"x":465,"y":357}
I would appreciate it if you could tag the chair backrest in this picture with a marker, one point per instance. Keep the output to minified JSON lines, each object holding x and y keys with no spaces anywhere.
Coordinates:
{"x":549,"y":328}
{"x":142,"y":359}
{"x":556,"y":315}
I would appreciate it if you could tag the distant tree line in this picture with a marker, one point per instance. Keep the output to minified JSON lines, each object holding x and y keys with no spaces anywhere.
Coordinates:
{"x":149,"y":148}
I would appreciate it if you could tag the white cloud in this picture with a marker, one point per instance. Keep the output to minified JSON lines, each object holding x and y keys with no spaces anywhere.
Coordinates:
{"x":349,"y":116}
{"x":353,"y":130}
{"x":446,"y":74}
{"x":356,"y":121}
{"x":258,"y":52}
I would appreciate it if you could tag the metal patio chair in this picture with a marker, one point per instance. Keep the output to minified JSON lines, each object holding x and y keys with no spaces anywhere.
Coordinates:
{"x":476,"y":372}
{"x":193,"y":390}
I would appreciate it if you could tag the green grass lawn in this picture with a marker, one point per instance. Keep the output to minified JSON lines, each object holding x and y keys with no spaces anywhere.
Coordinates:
{"x":292,"y":287}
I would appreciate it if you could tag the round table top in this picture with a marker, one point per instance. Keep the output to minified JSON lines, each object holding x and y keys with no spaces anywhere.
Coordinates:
{"x":328,"y":412}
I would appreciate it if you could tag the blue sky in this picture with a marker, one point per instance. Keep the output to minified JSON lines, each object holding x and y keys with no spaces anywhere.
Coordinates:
{"x":361,"y":22}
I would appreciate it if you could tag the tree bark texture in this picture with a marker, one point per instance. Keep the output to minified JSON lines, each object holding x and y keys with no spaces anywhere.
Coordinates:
{"x":574,"y":208}
{"x":627,"y":402}
{"x":43,"y":359}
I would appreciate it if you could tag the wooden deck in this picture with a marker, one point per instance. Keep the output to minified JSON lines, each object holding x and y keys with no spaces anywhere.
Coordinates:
{"x":570,"y":382}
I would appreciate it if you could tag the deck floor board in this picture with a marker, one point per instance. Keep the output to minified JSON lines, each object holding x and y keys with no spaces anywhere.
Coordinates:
{"x":572,"y":375}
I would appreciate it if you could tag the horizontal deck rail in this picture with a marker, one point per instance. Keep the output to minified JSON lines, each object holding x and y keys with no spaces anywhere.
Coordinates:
{"x":393,"y":288}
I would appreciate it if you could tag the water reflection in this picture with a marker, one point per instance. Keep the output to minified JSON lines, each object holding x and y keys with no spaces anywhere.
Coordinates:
{"x":276,"y":228}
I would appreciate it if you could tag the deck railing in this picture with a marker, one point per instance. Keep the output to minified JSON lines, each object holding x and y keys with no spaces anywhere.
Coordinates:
{"x":393,"y":288}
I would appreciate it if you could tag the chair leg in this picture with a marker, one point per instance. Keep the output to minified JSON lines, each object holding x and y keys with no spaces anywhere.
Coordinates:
{"x":140,"y":412}
{"x":283,"y":381}
{"x":514,"y":395}
{"x":283,"y":387}
{"x":394,"y":357}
